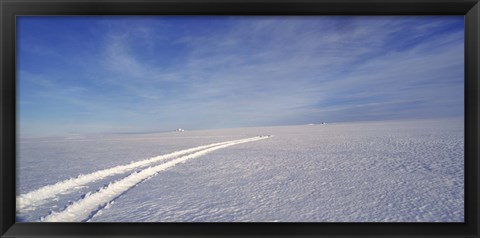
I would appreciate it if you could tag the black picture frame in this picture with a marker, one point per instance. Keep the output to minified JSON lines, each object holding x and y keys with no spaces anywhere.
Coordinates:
{"x":9,"y":9}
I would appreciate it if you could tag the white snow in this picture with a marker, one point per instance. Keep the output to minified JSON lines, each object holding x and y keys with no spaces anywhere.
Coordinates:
{"x":392,"y":171}
{"x":86,"y":207}
{"x":31,"y":200}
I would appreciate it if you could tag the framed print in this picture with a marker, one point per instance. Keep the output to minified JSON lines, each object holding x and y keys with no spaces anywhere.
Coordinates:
{"x":250,"y":119}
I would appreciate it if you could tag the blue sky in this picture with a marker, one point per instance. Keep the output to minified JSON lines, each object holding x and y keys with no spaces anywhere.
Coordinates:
{"x":92,"y":74}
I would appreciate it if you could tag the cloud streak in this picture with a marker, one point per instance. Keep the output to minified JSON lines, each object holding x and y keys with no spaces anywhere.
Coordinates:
{"x":158,"y":73}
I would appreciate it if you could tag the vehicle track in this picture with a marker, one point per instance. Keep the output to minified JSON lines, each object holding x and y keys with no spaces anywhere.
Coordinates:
{"x":90,"y":204}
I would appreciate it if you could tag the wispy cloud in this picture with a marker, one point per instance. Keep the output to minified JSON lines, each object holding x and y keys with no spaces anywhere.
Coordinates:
{"x":206,"y":72}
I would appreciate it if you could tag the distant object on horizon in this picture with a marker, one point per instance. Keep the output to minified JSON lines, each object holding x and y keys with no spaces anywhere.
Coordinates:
{"x":179,"y":130}
{"x":313,"y":124}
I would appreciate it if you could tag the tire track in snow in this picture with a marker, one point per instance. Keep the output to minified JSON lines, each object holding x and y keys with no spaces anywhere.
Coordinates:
{"x":85,"y":208}
{"x":31,"y":200}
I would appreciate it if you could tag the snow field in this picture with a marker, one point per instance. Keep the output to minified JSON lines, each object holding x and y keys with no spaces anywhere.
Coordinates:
{"x":392,"y":171}
{"x":31,"y":200}
{"x":82,"y":209}
{"x":405,"y":171}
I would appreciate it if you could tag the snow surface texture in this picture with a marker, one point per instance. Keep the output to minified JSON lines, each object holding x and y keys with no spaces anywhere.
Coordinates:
{"x":396,"y":171}
{"x":82,"y":209}
{"x":34,"y":198}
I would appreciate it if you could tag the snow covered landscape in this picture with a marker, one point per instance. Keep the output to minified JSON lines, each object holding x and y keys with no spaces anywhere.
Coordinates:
{"x":379,"y":171}
{"x":240,"y":118}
